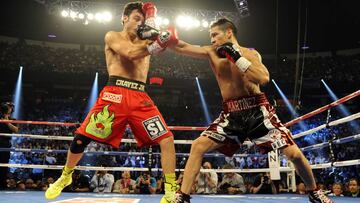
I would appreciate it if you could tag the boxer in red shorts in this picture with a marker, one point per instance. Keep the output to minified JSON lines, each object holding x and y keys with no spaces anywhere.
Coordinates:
{"x":124,"y":100}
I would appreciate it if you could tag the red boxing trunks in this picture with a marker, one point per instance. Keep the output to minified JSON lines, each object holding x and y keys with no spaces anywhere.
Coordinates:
{"x":121,"y":102}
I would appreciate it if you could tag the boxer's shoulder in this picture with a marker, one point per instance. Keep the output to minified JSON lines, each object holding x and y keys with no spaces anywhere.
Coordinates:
{"x":113,"y":35}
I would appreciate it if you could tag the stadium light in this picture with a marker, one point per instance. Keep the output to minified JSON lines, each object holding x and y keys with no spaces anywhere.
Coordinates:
{"x":73,"y":14}
{"x":90,"y":16}
{"x":81,"y":15}
{"x":205,"y":24}
{"x":64,"y":13}
{"x":196,"y":23}
{"x":187,"y":22}
{"x":203,"y":102}
{"x":289,"y":106}
{"x":165,"y":21}
{"x":17,"y":98}
{"x":107,"y":17}
{"x":98,"y":17}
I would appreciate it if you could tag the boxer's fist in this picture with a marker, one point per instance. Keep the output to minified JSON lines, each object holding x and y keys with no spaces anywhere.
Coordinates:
{"x":147,"y":32}
{"x":163,"y":40}
{"x":232,"y":53}
{"x":229,"y":51}
{"x":150,"y":10}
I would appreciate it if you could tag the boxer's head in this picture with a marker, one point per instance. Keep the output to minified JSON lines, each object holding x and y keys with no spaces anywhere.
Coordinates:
{"x":222,"y":31}
{"x":133,"y":16}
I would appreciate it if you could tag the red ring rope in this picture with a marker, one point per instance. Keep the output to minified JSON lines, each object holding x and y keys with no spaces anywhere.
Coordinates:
{"x":193,"y":128}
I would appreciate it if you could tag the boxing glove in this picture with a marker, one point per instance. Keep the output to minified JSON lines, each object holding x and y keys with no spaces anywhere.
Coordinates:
{"x":163,"y":40}
{"x":146,"y":32}
{"x":232,"y":53}
{"x":150,"y":10}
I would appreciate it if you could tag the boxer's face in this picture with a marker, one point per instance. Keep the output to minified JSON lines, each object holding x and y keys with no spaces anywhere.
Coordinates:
{"x":132,"y":21}
{"x":218,"y":36}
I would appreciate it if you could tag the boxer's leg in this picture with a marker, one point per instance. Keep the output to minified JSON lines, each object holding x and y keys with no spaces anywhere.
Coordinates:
{"x":301,"y":164}
{"x":199,"y":147}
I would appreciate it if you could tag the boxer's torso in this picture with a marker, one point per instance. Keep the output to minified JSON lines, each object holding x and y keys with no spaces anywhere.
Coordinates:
{"x":232,"y":82}
{"x":123,"y":67}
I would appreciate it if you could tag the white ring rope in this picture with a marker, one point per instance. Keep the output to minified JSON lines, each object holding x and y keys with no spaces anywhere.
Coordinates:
{"x":99,"y":168}
{"x":332,"y":123}
{"x":51,"y":137}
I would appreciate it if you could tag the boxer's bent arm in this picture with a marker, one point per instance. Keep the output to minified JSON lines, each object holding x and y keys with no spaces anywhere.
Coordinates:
{"x":190,"y":50}
{"x":257,"y":72}
{"x":125,"y":48}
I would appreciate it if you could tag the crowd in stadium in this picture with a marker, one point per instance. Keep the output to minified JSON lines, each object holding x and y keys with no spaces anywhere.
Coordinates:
{"x":167,"y":64}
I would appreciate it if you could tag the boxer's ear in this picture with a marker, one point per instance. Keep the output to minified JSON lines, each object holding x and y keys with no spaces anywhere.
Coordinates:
{"x":124,"y":19}
{"x":228,"y":33}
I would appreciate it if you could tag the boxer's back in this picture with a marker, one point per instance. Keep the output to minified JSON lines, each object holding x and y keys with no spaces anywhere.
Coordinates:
{"x":117,"y":65}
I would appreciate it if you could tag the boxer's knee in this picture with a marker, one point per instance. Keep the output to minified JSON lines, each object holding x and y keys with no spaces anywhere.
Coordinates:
{"x":293,"y":153}
{"x":79,"y":143}
{"x":201,"y":145}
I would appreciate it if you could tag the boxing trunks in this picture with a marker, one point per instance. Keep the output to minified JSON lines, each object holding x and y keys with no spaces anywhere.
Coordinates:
{"x":248,"y":117}
{"x":121,"y":102}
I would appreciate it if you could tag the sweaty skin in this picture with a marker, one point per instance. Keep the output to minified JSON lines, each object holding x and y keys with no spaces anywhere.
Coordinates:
{"x":127,"y":55}
{"x":232,"y":82}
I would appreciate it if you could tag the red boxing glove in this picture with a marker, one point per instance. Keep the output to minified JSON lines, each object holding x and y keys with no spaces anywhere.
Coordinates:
{"x":165,"y":39}
{"x":150,"y":10}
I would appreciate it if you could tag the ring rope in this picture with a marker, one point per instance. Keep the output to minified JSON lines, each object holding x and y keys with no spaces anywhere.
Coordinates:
{"x":322,"y":109}
{"x":308,"y":148}
{"x":113,"y":153}
{"x":326,"y":144}
{"x":332,"y":123}
{"x":282,"y":169}
{"x":51,"y":137}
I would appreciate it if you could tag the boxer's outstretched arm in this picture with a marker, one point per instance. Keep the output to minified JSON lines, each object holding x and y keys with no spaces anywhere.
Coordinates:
{"x":124,"y":47}
{"x":190,"y":50}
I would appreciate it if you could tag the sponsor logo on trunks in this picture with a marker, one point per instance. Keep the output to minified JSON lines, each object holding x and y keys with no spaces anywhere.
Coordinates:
{"x":218,"y":137}
{"x":116,"y":98}
{"x":278,"y":144}
{"x":242,"y":104}
{"x":100,"y":123}
{"x":154,"y":127}
{"x":131,"y":85}
{"x":277,"y":140}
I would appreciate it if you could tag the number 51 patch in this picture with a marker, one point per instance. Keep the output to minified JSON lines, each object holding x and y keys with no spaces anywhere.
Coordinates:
{"x":154,"y":127}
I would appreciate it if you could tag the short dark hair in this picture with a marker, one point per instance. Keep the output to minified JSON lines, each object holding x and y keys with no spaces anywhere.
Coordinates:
{"x":354,"y":179}
{"x":224,"y":23}
{"x":228,"y":166}
{"x":129,"y":7}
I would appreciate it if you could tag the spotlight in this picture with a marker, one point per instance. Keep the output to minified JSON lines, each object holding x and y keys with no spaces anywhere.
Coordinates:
{"x":158,"y":21}
{"x":81,"y":15}
{"x":196,"y":23}
{"x":289,"y":105}
{"x":180,"y":21}
{"x":73,"y":14}
{"x":165,"y":21}
{"x":185,"y":21}
{"x":205,"y":24}
{"x":90,"y":16}
{"x":107,"y":16}
{"x":64,"y":13}
{"x":99,"y":17}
